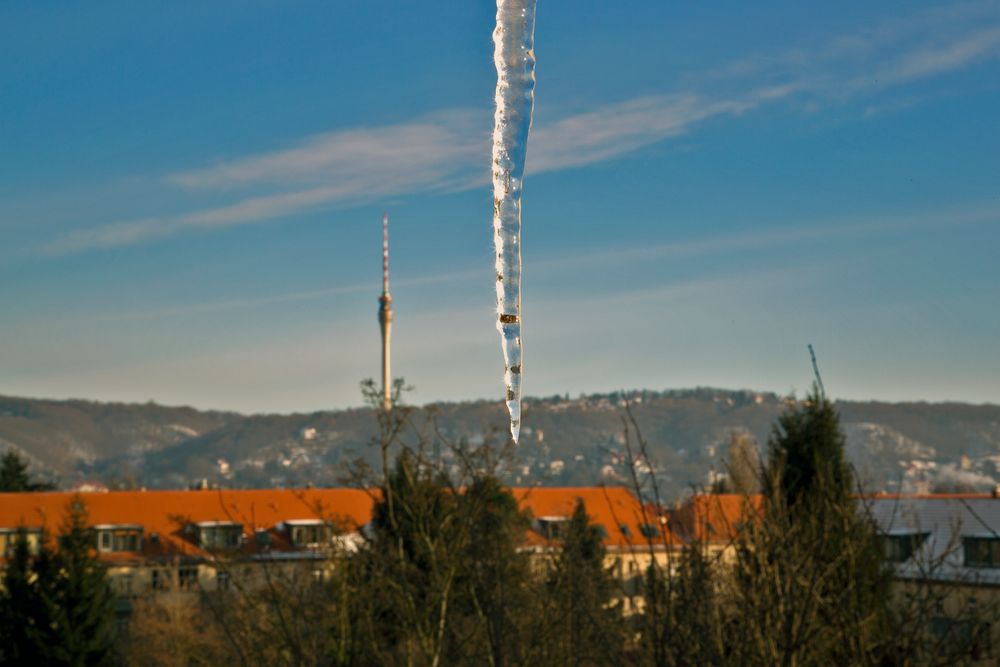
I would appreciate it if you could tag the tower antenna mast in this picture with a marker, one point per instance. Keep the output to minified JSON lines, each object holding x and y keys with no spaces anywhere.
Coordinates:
{"x":385,"y":318}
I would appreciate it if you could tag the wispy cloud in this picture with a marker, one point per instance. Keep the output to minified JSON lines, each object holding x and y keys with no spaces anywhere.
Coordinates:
{"x":614,"y":130}
{"x":353,"y":165}
{"x":939,"y":58}
{"x":395,"y":157}
{"x":443,"y":151}
{"x":449,"y":150}
{"x":929,"y":43}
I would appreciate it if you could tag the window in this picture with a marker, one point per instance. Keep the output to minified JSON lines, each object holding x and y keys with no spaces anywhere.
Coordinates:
{"x":625,"y":530}
{"x":123,"y":583}
{"x":982,"y":646}
{"x":981,"y":551}
{"x":900,"y":548}
{"x":648,"y":530}
{"x":10,"y":536}
{"x":552,"y":527}
{"x":957,"y":631}
{"x":263,"y":539}
{"x":118,"y":539}
{"x":309,"y":533}
{"x":219,"y":536}
{"x":222,"y":580}
{"x":126,"y":541}
{"x":160,"y":579}
{"x":187,"y":577}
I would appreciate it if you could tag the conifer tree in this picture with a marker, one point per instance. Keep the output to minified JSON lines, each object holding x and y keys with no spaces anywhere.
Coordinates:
{"x":81,"y":602}
{"x":810,"y":580}
{"x":416,"y":548}
{"x":24,"y":621}
{"x":497,"y":583}
{"x":14,"y":475}
{"x":806,"y":459}
{"x":56,"y":607}
{"x":585,"y":629}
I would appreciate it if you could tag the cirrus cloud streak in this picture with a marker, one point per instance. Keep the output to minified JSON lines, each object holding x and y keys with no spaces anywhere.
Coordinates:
{"x":449,"y":151}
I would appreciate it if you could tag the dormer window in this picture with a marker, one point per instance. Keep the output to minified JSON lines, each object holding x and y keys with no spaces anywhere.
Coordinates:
{"x":219,"y":535}
{"x":981,"y":551}
{"x":649,"y":530}
{"x":118,"y":538}
{"x":900,"y":547}
{"x":552,"y":527}
{"x":309,"y":533}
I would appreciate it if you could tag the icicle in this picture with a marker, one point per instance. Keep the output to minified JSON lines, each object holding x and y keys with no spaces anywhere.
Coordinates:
{"x":514,"y":57}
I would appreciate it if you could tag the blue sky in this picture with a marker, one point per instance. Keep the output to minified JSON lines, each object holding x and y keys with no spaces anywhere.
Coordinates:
{"x":191,"y":198}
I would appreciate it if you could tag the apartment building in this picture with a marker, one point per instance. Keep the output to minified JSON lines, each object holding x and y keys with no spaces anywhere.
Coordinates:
{"x":178,"y":541}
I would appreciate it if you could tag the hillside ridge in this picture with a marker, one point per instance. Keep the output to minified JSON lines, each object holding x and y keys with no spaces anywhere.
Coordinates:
{"x":894,"y":445}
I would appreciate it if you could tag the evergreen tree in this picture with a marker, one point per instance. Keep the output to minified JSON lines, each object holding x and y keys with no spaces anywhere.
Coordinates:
{"x":415,"y":551}
{"x":584,"y":628}
{"x":81,"y":602}
{"x":806,"y":458}
{"x":57,"y":608}
{"x":497,"y":584}
{"x":24,"y":620}
{"x":14,"y":475}
{"x":811,"y":584}
{"x":413,"y":513}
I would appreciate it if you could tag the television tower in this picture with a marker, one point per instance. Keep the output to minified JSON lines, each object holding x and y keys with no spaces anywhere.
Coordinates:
{"x":385,"y":317}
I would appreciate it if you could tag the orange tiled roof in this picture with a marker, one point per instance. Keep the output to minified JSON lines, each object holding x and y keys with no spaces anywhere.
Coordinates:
{"x":167,"y":513}
{"x":613,"y":508}
{"x":714,"y":517}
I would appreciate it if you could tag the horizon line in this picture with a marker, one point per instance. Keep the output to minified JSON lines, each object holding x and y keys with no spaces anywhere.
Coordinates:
{"x":499,"y":403}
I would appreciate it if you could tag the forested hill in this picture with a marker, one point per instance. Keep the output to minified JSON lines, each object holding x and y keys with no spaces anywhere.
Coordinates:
{"x":916,"y":446}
